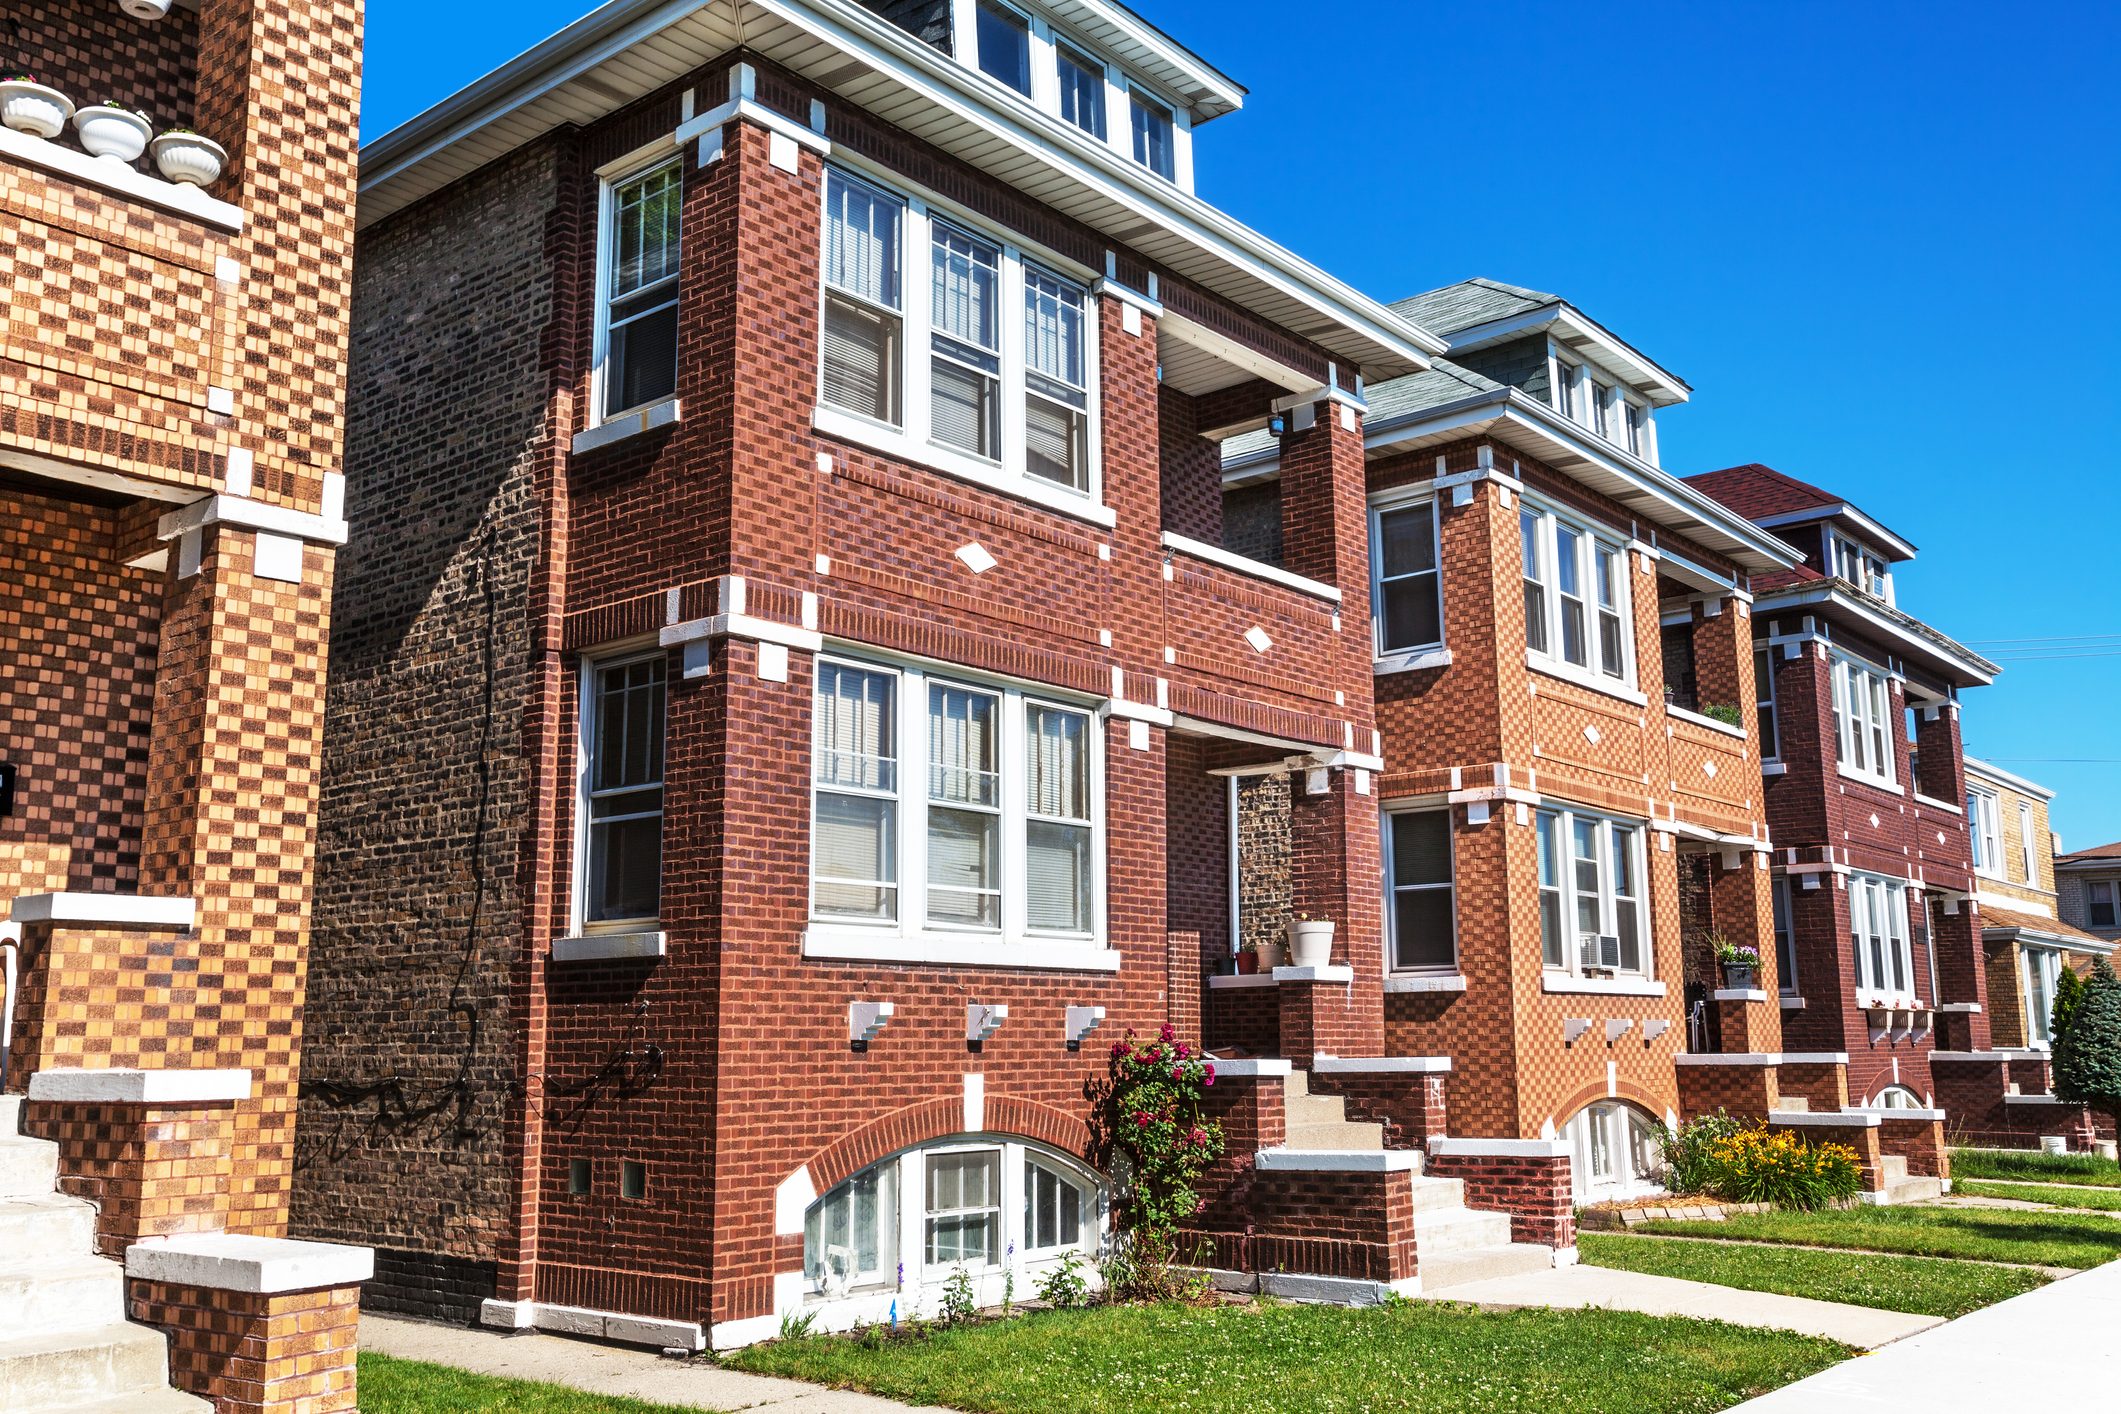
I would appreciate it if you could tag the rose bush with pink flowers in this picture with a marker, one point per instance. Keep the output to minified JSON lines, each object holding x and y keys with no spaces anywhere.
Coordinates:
{"x":1160,"y":1143}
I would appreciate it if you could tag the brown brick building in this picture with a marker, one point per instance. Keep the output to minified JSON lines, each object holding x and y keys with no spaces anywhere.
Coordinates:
{"x":172,"y":383}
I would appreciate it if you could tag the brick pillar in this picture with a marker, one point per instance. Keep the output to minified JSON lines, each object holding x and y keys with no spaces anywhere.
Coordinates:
{"x":1741,"y":889}
{"x":1962,"y":976}
{"x":1940,"y":760}
{"x":1337,"y":874}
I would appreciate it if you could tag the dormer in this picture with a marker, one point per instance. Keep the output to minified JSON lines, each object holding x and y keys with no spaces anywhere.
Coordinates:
{"x":1839,"y":540}
{"x":1090,"y":65}
{"x":1550,"y":350}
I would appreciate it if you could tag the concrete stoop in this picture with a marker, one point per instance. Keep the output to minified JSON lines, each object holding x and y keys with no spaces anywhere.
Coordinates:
{"x":64,"y":1341}
{"x":1901,"y":1188}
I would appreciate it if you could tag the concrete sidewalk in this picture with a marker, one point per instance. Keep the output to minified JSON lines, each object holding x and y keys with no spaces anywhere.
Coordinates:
{"x":1608,"y":1289}
{"x":611,"y":1370}
{"x":2058,"y":1341}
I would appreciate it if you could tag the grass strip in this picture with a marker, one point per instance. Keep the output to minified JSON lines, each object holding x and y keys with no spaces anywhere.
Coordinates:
{"x":393,"y":1386}
{"x":1922,"y":1286}
{"x":2029,"y":1166}
{"x":1312,"y":1360}
{"x":2103,"y":1199}
{"x":2047,"y":1239}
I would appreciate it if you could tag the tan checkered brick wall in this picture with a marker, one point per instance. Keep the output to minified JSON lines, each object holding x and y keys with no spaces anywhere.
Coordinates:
{"x":151,"y":1170}
{"x":282,"y":1353}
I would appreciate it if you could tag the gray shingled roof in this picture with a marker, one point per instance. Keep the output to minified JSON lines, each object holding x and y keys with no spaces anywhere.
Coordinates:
{"x":1470,"y":302}
{"x":1444,"y":382}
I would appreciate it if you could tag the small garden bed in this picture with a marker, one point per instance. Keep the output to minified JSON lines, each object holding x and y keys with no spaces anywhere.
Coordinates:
{"x":393,"y":1386}
{"x":2031,"y":1166}
{"x":1923,"y":1286}
{"x":1634,"y":1212}
{"x":1977,"y":1234}
{"x":1177,"y":1359}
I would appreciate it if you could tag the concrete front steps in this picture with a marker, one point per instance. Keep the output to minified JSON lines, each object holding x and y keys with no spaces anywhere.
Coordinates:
{"x":1900,"y":1188}
{"x":1453,"y":1243}
{"x":64,"y":1341}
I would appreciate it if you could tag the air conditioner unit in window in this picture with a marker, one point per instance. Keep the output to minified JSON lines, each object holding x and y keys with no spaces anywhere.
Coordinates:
{"x":1601,"y":950}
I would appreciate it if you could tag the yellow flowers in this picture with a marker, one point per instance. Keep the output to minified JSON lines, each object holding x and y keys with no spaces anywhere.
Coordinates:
{"x":1760,"y":1165}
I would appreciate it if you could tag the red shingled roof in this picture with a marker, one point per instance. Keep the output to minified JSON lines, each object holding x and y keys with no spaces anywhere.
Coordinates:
{"x":2097,"y":851}
{"x":1754,"y":490}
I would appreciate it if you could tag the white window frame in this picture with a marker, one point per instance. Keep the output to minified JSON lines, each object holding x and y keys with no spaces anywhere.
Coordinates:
{"x":2031,"y":876}
{"x":2048,"y":962}
{"x":1864,"y":723}
{"x":624,"y":172}
{"x":2113,"y":903}
{"x":1765,"y":704}
{"x":1564,"y":818}
{"x":1565,"y":384}
{"x":1984,"y":816}
{"x":1399,"y":655}
{"x":1548,"y":521}
{"x":910,"y":439}
{"x":1393,"y":889}
{"x":1612,"y":1122}
{"x":1783,"y":930}
{"x":913,"y":936}
{"x":589,"y":668}
{"x":1032,"y":45}
{"x":1086,"y":1197}
{"x":1878,"y":914}
{"x":1864,"y":568}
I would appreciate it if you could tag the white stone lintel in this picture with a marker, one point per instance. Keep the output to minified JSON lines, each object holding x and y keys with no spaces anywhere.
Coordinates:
{"x":1844,"y":1119}
{"x":117,"y":910}
{"x":610,"y":947}
{"x":1337,"y":1160}
{"x":1380,"y":1065}
{"x":1445,"y":1146}
{"x":139,"y":1087}
{"x":1328,"y":973}
{"x":259,"y":1266}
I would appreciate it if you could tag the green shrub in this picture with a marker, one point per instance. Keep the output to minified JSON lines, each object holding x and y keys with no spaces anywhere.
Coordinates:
{"x":1064,"y":1288}
{"x":959,"y":1304}
{"x":1688,"y":1160}
{"x":1763,"y":1166}
{"x":1724,"y":712}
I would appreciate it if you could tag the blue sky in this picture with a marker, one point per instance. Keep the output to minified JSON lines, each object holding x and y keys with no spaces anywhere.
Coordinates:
{"x":1881,"y":240}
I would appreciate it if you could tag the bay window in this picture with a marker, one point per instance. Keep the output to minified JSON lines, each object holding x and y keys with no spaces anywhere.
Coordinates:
{"x":986,"y":796}
{"x":1863,"y":720}
{"x":1408,"y":595}
{"x":622,"y":794}
{"x":850,"y":1236}
{"x":1593,"y":911}
{"x":1053,"y":1208}
{"x":997,"y":397}
{"x":1577,"y":618}
{"x":1985,"y":831}
{"x":1879,"y":936}
{"x":637,"y":307}
{"x":1418,"y":865}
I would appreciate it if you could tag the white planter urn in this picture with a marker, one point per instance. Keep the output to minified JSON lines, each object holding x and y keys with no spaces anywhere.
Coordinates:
{"x":1311,"y":942}
{"x":145,"y":9}
{"x":116,"y":133}
{"x":30,"y":107}
{"x":189,"y":158}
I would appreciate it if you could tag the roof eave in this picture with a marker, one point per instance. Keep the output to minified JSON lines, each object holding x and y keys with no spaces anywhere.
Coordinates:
{"x":1938,"y":651}
{"x":1895,"y":545}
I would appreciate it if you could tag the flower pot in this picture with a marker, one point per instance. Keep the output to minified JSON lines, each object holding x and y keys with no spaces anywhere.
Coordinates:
{"x":1738,"y":978}
{"x":1270,"y":954}
{"x":189,"y":158}
{"x":115,"y":133}
{"x":1247,"y":964}
{"x":1311,"y":942}
{"x":145,"y":9}
{"x":34,"y":109}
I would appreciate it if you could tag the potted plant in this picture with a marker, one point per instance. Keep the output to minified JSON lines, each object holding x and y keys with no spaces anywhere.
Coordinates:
{"x":113,"y":130}
{"x":1740,"y":963}
{"x":1247,"y":961}
{"x":1310,"y":940}
{"x":182,"y":155}
{"x":30,"y":107}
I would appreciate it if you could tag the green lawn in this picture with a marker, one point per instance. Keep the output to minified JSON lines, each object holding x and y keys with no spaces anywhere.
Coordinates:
{"x":1982,"y":1234}
{"x":1924,"y":1286}
{"x":2028,"y":1166}
{"x":393,"y":1386}
{"x":1312,"y":1360}
{"x":2106,"y":1199}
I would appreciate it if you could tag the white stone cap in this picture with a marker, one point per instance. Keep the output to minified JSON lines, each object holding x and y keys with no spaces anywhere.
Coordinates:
{"x":1761,"y":1058}
{"x":1380,"y":1065}
{"x":2038,"y":1100}
{"x":130,"y":910}
{"x":609,"y":947}
{"x":1843,"y":1119}
{"x":1427,"y":982}
{"x":1990,"y":1056}
{"x":1969,"y":1008}
{"x":1448,"y":1147}
{"x":1815,"y":1057}
{"x":1740,"y":994}
{"x":225,"y":1261}
{"x":1911,"y":1113}
{"x":140,"y":1087}
{"x":1328,"y":973}
{"x":1268,"y":1069}
{"x":1337,"y":1160}
{"x":1222,"y":980}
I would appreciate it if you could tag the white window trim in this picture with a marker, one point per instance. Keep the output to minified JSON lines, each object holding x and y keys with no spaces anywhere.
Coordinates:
{"x":1409,"y":653}
{"x":1572,"y":967}
{"x":610,"y":178}
{"x":912,"y":442}
{"x":2031,"y":876}
{"x":1548,"y":520}
{"x":1849,"y":721}
{"x":1772,"y":704}
{"x":911,"y":937}
{"x":1615,"y":1115}
{"x":588,"y":668}
{"x":1786,"y":976}
{"x":2051,"y":962}
{"x":1985,"y":830}
{"x":1879,"y":891}
{"x":1843,"y":551}
{"x":1450,"y":821}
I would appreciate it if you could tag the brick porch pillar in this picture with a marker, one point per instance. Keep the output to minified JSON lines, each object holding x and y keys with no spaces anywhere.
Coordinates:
{"x":1962,"y":976}
{"x":1742,"y":894}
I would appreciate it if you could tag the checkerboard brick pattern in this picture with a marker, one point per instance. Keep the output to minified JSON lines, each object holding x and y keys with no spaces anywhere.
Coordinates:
{"x":278,"y":1353}
{"x":151,"y":1170}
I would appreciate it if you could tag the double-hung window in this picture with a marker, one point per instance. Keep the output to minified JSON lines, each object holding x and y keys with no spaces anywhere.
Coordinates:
{"x":1004,"y":40}
{"x":638,"y":308}
{"x":1863,"y":720}
{"x":2031,"y":861}
{"x":1764,"y":692}
{"x":984,"y":795}
{"x":964,"y":1215}
{"x":1985,"y":828}
{"x":1879,"y":936}
{"x":1155,"y":142}
{"x":999,"y":389}
{"x":2043,"y":970}
{"x":1568,"y":392}
{"x":1785,"y":939}
{"x":1082,"y":89}
{"x":1576,"y":598}
{"x":1593,"y":913}
{"x":1408,"y":608}
{"x":2102,"y":898}
{"x":1418,"y":864}
{"x":622,"y":796}
{"x":1860,"y":567}
{"x":1637,"y":419}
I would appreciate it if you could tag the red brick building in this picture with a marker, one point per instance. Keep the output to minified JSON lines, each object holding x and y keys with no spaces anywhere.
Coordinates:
{"x":172,"y":386}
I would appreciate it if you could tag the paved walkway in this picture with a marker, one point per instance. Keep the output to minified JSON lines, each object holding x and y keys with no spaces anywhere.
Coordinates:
{"x":611,"y":1370}
{"x":2057,"y":1339}
{"x":1613,"y":1290}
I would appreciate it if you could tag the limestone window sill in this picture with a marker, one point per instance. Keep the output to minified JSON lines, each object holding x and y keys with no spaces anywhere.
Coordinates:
{"x":120,"y":179}
{"x":628,"y":425}
{"x":1600,"y":986}
{"x":857,"y":944}
{"x":1430,"y":982}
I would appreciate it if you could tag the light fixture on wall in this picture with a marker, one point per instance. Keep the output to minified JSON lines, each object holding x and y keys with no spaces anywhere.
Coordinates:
{"x":145,"y":9}
{"x":1277,"y":424}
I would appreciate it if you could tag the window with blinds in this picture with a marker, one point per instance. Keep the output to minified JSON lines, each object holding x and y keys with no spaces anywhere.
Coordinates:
{"x":640,"y":300}
{"x":965,"y":378}
{"x":988,"y":798}
{"x":864,"y":230}
{"x":623,"y":804}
